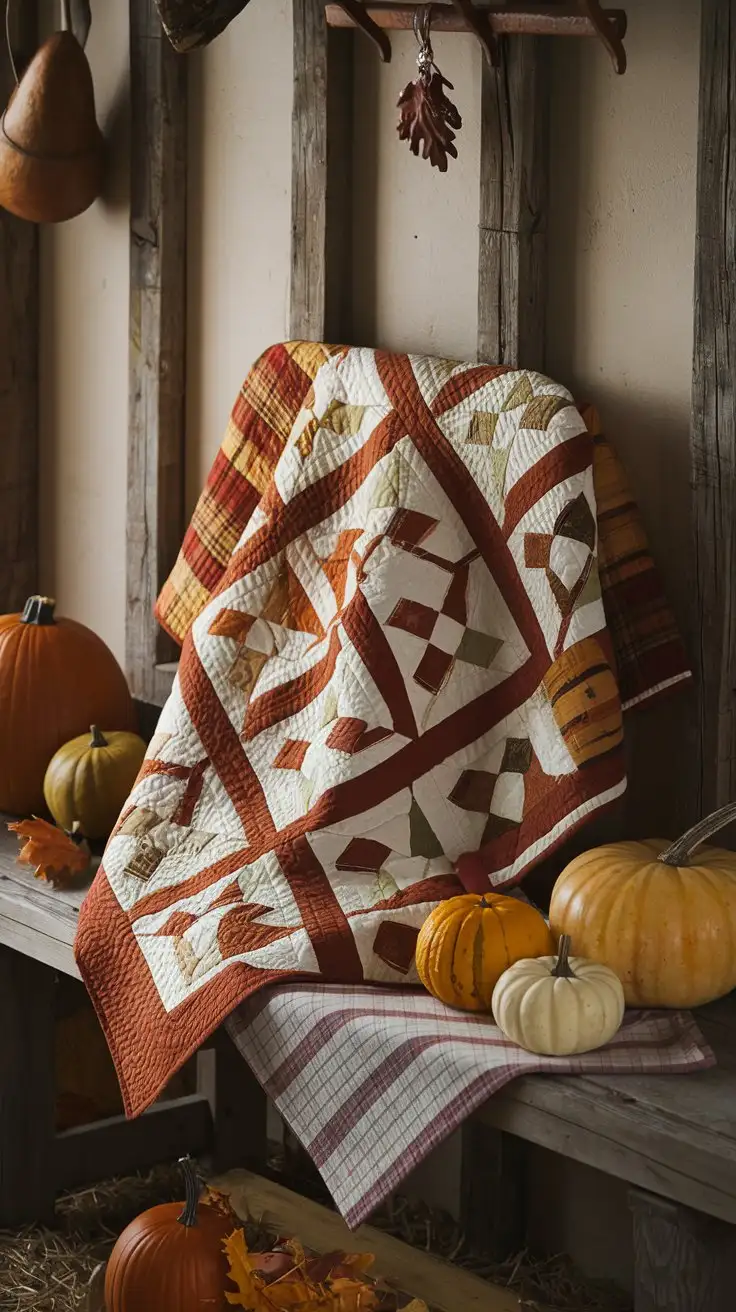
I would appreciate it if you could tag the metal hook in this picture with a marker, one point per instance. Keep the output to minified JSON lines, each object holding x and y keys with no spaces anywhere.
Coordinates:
{"x":422,"y":22}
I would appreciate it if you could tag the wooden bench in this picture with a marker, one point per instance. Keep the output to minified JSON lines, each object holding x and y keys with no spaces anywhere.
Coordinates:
{"x":223,"y":1120}
{"x":672,"y":1138}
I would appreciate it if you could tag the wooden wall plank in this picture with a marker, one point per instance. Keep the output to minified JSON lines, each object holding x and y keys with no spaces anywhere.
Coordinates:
{"x":713,"y":441}
{"x":514,"y":195}
{"x":321,"y":202}
{"x":19,"y":326}
{"x":157,"y":339}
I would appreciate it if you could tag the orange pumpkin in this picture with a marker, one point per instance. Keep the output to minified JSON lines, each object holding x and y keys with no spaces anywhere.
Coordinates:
{"x":171,"y":1260}
{"x":56,"y":678}
{"x":467,"y":943}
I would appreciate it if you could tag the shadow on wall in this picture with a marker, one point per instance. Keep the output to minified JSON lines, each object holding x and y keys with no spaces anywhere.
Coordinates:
{"x":622,"y":229}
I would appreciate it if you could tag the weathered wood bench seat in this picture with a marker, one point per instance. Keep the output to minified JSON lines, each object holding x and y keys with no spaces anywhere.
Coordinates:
{"x":672,"y":1138}
{"x":220,"y":1120}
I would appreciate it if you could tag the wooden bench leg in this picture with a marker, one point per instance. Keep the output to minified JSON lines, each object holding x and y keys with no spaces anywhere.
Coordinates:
{"x":492,"y":1191}
{"x":684,"y":1261}
{"x":238,"y":1105}
{"x":27,"y":1102}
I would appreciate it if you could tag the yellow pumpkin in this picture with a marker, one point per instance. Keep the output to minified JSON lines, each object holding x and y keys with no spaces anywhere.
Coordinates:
{"x":662,"y":919}
{"x":467,"y":943}
{"x":89,"y":779}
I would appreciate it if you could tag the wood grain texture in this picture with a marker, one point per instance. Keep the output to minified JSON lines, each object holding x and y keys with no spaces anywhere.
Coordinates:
{"x":321,"y":218}
{"x":517,"y":19}
{"x":155,"y":523}
{"x":514,"y":198}
{"x":237,"y":1103}
{"x":118,"y":1146}
{"x":36,"y":919}
{"x":26,"y":1089}
{"x":674,"y":1135}
{"x":683,"y":1262}
{"x":713,"y":440}
{"x":19,"y":328}
{"x":492,"y":1191}
{"x":444,"y":1287}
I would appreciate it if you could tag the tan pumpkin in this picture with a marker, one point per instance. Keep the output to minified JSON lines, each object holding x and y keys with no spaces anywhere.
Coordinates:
{"x":467,"y":943}
{"x":662,"y":918}
{"x":56,"y":678}
{"x":89,"y":779}
{"x":171,"y":1258}
{"x":558,"y":1006}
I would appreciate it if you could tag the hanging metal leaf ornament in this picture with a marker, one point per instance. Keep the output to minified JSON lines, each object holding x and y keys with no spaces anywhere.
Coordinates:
{"x":428,"y":119}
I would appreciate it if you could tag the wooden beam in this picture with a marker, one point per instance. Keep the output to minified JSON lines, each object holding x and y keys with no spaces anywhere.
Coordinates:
{"x":713,"y":439}
{"x":513,"y":20}
{"x":155,"y":523}
{"x":444,"y":1287}
{"x":19,"y":328}
{"x":321,"y":177}
{"x":514,"y":200}
{"x":116,"y":1146}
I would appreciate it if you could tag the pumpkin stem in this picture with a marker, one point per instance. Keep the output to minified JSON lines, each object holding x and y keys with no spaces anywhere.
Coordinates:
{"x":39,"y":611}
{"x":563,"y":969}
{"x":679,"y":852}
{"x":188,"y":1217}
{"x":98,"y":738}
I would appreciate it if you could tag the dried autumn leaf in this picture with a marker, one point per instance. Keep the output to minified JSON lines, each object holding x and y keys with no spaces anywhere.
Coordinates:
{"x":55,"y":855}
{"x":251,"y":1290}
{"x":416,"y":1305}
{"x":353,"y":1295}
{"x":219,"y":1202}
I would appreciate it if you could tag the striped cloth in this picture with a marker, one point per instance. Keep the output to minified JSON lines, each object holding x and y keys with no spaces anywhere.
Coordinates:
{"x":650,"y":657}
{"x":371,"y":1080}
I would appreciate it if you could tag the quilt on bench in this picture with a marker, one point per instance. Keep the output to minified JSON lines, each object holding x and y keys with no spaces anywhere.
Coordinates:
{"x":403,"y":682}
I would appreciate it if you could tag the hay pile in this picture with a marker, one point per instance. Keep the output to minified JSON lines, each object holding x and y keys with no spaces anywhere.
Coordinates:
{"x":44,"y":1270}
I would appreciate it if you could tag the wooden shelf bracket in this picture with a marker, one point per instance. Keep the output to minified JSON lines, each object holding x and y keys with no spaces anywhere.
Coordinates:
{"x":489,"y":22}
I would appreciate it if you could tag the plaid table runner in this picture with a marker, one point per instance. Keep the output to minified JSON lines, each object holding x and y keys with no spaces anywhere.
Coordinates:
{"x":371,"y":1080}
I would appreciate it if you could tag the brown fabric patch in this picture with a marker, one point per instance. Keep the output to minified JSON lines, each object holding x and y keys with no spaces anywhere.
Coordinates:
{"x":395,"y":944}
{"x":474,"y":790}
{"x":363,"y":855}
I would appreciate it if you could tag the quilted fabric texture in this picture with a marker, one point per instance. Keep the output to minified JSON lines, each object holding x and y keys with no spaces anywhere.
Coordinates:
{"x":402,"y":683}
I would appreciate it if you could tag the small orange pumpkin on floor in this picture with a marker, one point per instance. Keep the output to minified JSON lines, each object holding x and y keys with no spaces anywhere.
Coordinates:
{"x":171,"y":1260}
{"x":467,"y":943}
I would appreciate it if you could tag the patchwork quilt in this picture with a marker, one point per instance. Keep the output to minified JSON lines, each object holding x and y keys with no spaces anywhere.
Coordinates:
{"x":401,"y":684}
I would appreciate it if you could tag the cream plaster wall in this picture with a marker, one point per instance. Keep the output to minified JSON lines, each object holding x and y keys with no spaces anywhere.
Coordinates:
{"x":620,"y":319}
{"x":620,"y":282}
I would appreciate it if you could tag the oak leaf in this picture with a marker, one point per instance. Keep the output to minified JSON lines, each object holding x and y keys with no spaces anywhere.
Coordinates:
{"x":57,"y":857}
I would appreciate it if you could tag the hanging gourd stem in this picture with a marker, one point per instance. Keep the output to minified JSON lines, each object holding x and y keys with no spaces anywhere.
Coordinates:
{"x":679,"y":853}
{"x":563,"y":969}
{"x":98,"y":738}
{"x":39,"y":611}
{"x":188,"y":1217}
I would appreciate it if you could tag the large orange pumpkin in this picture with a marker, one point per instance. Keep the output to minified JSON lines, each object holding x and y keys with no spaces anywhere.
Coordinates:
{"x":171,"y":1258}
{"x":661,"y":916}
{"x":56,"y":678}
{"x":467,"y":943}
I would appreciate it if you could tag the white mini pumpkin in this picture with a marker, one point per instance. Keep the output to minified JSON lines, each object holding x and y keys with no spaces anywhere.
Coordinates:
{"x":557,"y":1006}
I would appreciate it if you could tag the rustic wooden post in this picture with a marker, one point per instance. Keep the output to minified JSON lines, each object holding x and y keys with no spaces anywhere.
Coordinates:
{"x":26,"y":1079}
{"x":514,"y":187}
{"x":683,"y":1261}
{"x":321,"y":200}
{"x":19,"y":315}
{"x":713,"y":438}
{"x":155,"y":523}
